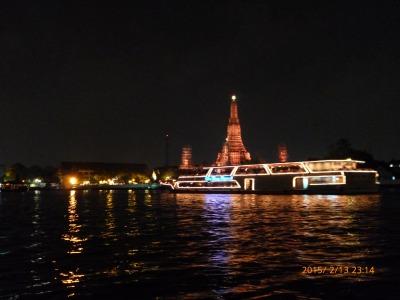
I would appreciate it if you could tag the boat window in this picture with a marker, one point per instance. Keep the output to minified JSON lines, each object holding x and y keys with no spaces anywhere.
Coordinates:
{"x":203,"y":184}
{"x":223,"y":184}
{"x":188,"y":178}
{"x":257,"y":169}
{"x":192,"y":184}
{"x":323,"y":180}
{"x":194,"y":172}
{"x":287,"y":168}
{"x":318,"y":166}
{"x":222,"y":171}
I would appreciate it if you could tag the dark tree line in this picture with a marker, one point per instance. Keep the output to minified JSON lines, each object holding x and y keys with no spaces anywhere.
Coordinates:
{"x":18,"y":172}
{"x":343,"y":149}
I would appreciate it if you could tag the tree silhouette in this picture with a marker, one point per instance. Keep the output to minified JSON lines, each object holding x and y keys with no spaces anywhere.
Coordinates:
{"x":343,"y":149}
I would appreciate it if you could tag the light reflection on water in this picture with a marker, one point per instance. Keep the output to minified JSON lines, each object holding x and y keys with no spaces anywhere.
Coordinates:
{"x":72,"y":236}
{"x":109,"y":219}
{"x":276,"y":234}
{"x":91,"y":243}
{"x":70,"y":278}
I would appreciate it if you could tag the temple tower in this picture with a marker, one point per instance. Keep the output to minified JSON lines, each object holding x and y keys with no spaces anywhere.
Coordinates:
{"x":282,"y":153}
{"x":186,"y":158}
{"x":233,"y":151}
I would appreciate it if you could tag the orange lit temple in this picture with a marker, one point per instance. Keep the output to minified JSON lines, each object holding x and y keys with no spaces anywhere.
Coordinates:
{"x":233,"y":172}
{"x":282,"y":153}
{"x":186,"y":158}
{"x":233,"y":151}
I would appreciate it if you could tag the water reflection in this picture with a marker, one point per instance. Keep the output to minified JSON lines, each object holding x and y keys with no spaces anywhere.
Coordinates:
{"x":70,"y":279}
{"x":132,"y":229}
{"x":131,"y":202}
{"x":72,"y":235}
{"x":190,"y":245}
{"x":255,"y":235}
{"x":147,"y":198}
{"x":217,"y":212}
{"x":109,"y":218}
{"x":37,"y":256}
{"x":36,"y":214}
{"x":75,"y":244}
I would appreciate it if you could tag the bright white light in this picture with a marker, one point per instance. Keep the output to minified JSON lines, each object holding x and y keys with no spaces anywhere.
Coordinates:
{"x":391,"y":165}
{"x":73,"y":180}
{"x":111,"y":181}
{"x":233,"y":97}
{"x":393,"y":177}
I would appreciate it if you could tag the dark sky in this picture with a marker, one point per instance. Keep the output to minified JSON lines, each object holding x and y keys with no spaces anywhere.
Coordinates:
{"x":93,"y":82}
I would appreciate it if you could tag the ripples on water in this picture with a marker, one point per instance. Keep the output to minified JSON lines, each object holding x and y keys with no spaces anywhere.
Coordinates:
{"x":147,"y":245}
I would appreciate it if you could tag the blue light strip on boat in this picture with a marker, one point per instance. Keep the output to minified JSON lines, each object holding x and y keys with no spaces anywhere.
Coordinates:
{"x":214,"y":178}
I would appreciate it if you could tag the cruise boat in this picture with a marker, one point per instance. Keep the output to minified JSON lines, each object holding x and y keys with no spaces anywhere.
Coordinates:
{"x":304,"y":177}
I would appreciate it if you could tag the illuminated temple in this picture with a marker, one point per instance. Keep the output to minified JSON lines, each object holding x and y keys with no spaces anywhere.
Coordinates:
{"x":233,"y":151}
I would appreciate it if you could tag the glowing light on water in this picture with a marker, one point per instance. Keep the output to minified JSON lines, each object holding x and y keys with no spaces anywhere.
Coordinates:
{"x":72,"y":235}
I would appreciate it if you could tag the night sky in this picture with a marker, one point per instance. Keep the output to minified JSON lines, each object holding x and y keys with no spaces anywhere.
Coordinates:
{"x":94,"y":82}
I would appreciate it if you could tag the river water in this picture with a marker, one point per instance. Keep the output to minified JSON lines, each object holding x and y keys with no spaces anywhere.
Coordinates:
{"x":144,"y":245}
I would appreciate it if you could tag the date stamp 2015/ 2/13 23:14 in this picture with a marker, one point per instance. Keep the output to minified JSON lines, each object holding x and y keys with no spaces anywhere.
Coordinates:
{"x":338,"y":270}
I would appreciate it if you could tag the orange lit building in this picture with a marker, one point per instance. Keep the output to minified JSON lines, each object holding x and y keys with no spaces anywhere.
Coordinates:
{"x":186,"y":158}
{"x":233,"y":151}
{"x":282,"y":153}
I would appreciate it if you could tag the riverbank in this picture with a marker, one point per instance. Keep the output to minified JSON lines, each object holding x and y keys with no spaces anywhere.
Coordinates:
{"x":144,"y":186}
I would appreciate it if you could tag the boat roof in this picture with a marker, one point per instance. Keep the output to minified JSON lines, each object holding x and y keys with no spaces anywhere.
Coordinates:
{"x":290,"y":162}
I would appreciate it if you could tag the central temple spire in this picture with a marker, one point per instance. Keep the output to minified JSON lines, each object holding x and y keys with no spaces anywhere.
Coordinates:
{"x":234,"y":111}
{"x":233,"y":151}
